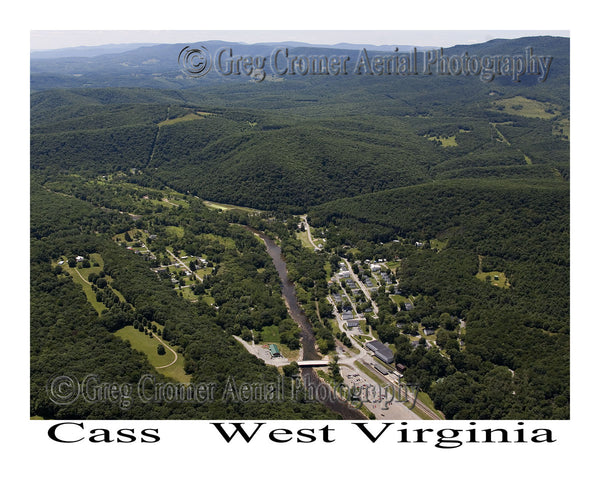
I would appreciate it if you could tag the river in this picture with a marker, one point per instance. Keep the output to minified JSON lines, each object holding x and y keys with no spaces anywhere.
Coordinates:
{"x":317,"y":388}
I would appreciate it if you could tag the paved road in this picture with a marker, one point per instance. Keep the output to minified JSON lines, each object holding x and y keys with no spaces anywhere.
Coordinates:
{"x":180,"y":262}
{"x":364,"y":289}
{"x":307,"y":228}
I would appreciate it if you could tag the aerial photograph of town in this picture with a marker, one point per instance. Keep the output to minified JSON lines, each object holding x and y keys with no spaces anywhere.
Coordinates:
{"x":300,"y":230}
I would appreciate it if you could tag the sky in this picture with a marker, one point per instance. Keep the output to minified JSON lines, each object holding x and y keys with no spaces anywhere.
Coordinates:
{"x":53,"y":39}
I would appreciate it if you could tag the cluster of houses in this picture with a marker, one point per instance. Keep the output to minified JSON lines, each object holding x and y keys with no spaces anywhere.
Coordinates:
{"x":349,"y":318}
{"x":375,"y":267}
{"x":386,"y":278}
{"x":367,"y":281}
{"x":344,"y":272}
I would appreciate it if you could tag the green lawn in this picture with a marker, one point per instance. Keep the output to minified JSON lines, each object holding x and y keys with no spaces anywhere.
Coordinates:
{"x":393,"y":265}
{"x":291,"y":355}
{"x":208,"y":300}
{"x":303,"y":236}
{"x":438,"y":244}
{"x":227,"y":242}
{"x":362,"y":338}
{"x":399,"y":299}
{"x":335,"y":328}
{"x":501,"y":280}
{"x":143,"y":343}
{"x":188,"y":294}
{"x":270,"y":334}
{"x":173,"y":230}
{"x":202,"y":272}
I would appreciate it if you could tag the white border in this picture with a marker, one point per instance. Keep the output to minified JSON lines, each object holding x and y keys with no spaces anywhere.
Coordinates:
{"x":186,"y":449}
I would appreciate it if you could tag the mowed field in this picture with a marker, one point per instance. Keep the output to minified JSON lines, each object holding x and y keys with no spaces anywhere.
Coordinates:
{"x":148,"y":345}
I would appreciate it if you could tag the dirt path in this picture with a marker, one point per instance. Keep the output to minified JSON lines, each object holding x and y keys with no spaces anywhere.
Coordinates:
{"x":168,"y":348}
{"x":166,"y":200}
{"x":80,"y":276}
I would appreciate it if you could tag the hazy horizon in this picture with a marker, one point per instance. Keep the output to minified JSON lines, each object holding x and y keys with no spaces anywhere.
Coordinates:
{"x":47,"y":40}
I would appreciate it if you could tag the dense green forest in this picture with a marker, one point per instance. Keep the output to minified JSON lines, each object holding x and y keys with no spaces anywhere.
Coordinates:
{"x":451,"y":178}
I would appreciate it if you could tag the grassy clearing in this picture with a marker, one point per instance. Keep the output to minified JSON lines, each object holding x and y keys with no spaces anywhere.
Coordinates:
{"x":399,"y":299}
{"x":270,"y":334}
{"x":225,"y":241}
{"x":393,"y":265}
{"x":438,"y":244}
{"x":445,"y":141}
{"x":226,"y":206}
{"x":497,"y":279}
{"x":526,"y":107}
{"x":135,"y":234}
{"x":363,"y":338}
{"x":173,"y":202}
{"x":527,"y":160}
{"x":291,"y":355}
{"x":186,"y":118}
{"x":210,"y":301}
{"x":174,"y":231}
{"x":335,"y":328}
{"x":303,"y":236}
{"x":189,"y":294}
{"x":143,"y":343}
{"x":202,"y":272}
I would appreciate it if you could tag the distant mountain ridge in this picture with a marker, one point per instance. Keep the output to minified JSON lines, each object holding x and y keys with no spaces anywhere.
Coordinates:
{"x":88,"y":51}
{"x":156,"y":66}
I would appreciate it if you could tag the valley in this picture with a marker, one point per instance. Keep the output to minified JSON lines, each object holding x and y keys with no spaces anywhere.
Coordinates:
{"x":411,"y":233}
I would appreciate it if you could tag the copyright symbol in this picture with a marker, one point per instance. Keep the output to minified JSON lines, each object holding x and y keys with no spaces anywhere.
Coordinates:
{"x":194,"y":61}
{"x":63,"y":390}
